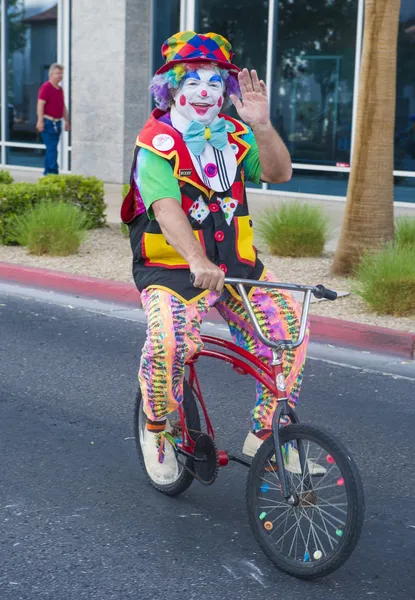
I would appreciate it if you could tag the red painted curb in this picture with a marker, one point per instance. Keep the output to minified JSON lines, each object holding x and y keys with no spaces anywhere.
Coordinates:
{"x":104,"y":289}
{"x":347,"y":334}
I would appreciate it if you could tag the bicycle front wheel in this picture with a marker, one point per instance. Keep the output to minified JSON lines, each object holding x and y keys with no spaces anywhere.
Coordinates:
{"x":317,"y":534}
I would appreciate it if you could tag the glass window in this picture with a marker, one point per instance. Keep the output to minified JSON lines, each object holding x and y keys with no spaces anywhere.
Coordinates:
{"x":313,"y":75}
{"x":405,"y":90}
{"x":31,"y":49}
{"x":322,"y":183}
{"x":166,"y":22}
{"x":246,"y":29}
{"x":25,"y":157}
{"x":404,"y":189}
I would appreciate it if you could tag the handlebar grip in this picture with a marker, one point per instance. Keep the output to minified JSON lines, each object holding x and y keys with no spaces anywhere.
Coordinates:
{"x":192,"y":278}
{"x":322,"y":292}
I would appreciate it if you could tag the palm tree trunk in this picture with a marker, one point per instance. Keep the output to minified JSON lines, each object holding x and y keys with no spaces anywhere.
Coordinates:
{"x":368,"y":218}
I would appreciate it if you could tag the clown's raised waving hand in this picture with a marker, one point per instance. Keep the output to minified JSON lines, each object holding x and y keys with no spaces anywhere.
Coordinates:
{"x":254,"y":108}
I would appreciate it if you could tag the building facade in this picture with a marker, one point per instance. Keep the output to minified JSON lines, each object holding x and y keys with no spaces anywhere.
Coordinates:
{"x":308,"y":52}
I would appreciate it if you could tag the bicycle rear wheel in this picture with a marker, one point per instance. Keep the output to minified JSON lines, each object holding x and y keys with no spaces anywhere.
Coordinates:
{"x":317,"y":535}
{"x":191,"y":413}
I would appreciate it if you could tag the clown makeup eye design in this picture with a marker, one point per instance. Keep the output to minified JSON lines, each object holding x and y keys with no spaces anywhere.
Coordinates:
{"x":216,"y":81}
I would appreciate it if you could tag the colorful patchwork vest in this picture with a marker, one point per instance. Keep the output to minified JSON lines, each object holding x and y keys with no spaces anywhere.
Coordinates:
{"x":220,"y":221}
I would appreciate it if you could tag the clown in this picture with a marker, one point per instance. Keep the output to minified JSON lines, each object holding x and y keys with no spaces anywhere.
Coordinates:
{"x":187,"y":212}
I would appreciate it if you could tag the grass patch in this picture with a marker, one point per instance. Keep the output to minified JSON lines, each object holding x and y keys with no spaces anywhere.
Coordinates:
{"x":386,"y":281}
{"x":294,"y":229}
{"x":405,"y":232}
{"x":57,"y":229}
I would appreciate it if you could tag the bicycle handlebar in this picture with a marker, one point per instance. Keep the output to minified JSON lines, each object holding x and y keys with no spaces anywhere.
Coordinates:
{"x":318,"y":291}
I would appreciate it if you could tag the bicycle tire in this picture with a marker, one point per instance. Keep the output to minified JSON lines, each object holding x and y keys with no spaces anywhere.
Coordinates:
{"x":353,"y":490}
{"x":192,"y":417}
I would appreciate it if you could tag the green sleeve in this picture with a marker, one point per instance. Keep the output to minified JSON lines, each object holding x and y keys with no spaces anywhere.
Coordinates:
{"x":252,"y":164}
{"x":154,"y":178}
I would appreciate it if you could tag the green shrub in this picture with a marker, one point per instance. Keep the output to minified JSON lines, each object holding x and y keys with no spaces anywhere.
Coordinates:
{"x":16,"y":199}
{"x":386,"y":280}
{"x":54,"y":228}
{"x":87,"y":193}
{"x":405,"y":232}
{"x":5,"y":177}
{"x":294,"y":229}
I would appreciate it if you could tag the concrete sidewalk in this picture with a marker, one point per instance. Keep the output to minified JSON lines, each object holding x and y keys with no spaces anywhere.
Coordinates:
{"x":258,"y":202}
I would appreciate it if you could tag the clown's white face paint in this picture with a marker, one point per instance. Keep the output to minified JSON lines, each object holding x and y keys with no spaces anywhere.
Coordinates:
{"x":200,"y":96}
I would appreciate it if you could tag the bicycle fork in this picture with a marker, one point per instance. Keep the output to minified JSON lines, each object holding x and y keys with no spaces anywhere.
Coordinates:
{"x":284,"y":409}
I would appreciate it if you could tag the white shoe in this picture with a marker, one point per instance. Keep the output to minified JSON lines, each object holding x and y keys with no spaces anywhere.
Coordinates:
{"x":292,"y":463}
{"x":162,"y":473}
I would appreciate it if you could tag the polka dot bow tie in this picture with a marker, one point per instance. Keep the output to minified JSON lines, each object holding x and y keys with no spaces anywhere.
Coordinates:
{"x":196,"y":135}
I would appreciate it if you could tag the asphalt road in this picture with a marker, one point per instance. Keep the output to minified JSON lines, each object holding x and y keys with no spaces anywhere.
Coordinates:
{"x":79,"y":521}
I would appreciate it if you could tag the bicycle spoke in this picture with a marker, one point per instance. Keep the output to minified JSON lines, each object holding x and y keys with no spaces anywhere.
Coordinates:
{"x":271,"y":483}
{"x":318,"y":487}
{"x":301,"y":531}
{"x":292,"y":527}
{"x":336,"y":521}
{"x":322,"y":530}
{"x":315,"y":535}
{"x":292,"y":543}
{"x":285,"y":527}
{"x":336,"y":506}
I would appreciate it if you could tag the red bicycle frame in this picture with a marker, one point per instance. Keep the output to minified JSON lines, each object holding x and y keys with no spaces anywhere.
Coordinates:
{"x":244,"y":363}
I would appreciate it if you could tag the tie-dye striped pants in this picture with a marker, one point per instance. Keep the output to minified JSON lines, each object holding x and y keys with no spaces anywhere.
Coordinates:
{"x":173,"y":337}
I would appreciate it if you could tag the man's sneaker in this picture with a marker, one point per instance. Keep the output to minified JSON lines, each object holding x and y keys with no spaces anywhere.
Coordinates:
{"x":292,"y":460}
{"x":165,"y":472}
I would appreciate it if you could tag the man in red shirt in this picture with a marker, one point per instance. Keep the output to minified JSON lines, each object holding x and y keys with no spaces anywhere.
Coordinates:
{"x":50,"y":111}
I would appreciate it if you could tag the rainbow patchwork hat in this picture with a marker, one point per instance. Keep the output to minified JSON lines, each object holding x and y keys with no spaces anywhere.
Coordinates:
{"x":189,"y":46}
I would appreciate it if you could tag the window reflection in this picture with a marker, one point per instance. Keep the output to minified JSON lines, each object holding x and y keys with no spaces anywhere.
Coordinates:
{"x":312,"y":93}
{"x":243,"y":24}
{"x":321,"y":183}
{"x":31,"y":48}
{"x":405,"y":90}
{"x":166,"y":22}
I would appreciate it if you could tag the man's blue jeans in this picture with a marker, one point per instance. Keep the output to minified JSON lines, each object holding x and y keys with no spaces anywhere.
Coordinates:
{"x":50,"y":136}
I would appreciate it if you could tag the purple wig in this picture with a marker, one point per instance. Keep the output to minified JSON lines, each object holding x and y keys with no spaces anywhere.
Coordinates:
{"x":164,"y":87}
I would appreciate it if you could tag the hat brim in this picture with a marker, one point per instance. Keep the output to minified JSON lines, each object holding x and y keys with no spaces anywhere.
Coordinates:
{"x":221,"y":64}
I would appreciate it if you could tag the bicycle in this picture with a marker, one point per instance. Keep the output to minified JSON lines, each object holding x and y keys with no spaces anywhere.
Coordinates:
{"x":286,"y":486}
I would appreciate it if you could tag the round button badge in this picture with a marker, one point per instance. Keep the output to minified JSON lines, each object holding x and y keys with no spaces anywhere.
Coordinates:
{"x":163,"y":142}
{"x":211,"y":170}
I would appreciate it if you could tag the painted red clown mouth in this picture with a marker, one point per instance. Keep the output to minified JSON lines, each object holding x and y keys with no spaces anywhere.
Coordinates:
{"x":201,"y":108}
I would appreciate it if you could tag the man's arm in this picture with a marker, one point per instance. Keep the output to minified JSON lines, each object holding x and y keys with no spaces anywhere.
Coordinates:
{"x":40,"y":115}
{"x":179,"y":234}
{"x":66,"y":118}
{"x":273,"y":154}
